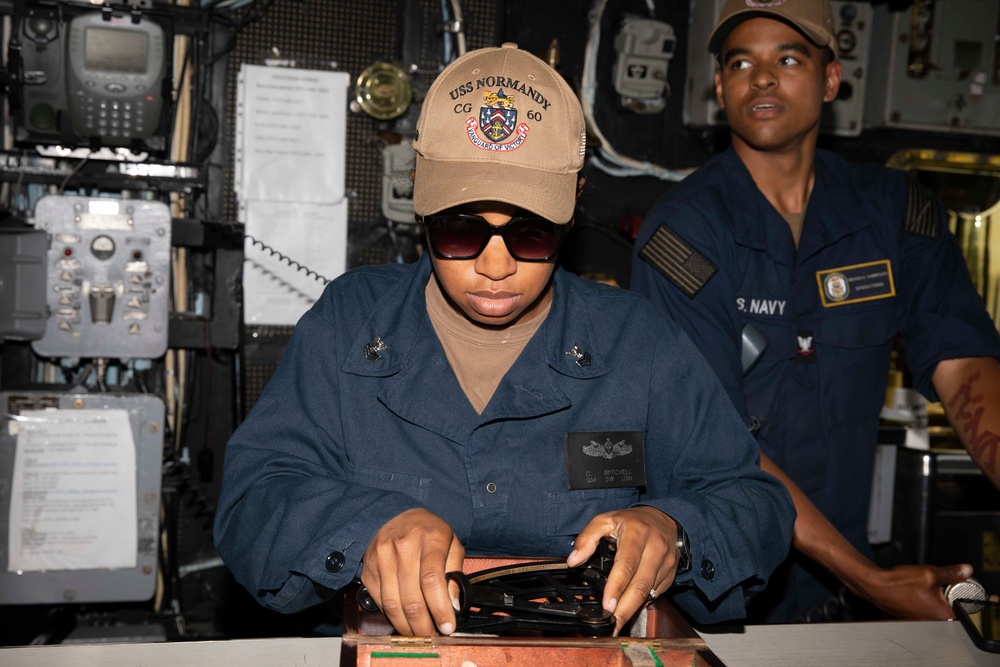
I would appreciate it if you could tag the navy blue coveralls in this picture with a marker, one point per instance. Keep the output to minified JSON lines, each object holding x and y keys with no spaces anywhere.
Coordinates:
{"x":875,"y":259}
{"x":364,"y":419}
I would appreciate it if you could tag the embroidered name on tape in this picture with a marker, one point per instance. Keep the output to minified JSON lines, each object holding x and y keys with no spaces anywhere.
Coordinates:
{"x":605,"y":459}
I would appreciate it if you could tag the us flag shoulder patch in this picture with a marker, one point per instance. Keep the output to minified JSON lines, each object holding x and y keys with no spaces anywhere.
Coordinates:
{"x":679,"y":263}
{"x":921,"y":211}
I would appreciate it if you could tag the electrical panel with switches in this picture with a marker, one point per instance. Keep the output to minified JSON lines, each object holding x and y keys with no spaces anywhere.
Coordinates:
{"x":942,"y":67}
{"x":108,"y":277}
{"x":80,"y":483}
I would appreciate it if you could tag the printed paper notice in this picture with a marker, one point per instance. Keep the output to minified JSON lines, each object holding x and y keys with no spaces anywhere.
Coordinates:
{"x":291,"y":132}
{"x":73,"y":497}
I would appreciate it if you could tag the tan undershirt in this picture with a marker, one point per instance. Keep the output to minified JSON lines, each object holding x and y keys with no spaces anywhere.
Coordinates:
{"x":479,"y":356}
{"x":795,"y":221}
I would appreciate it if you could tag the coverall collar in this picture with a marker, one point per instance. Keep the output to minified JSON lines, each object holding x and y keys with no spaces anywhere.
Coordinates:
{"x":417,"y":390}
{"x":757,"y":228}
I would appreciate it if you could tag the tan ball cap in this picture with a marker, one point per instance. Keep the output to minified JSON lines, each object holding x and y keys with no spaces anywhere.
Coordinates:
{"x":499,"y":124}
{"x":813,"y":18}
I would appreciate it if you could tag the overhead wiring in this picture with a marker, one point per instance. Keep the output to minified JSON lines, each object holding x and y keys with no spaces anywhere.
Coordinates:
{"x":227,"y":5}
{"x":446,"y":37}
{"x":257,"y":10}
{"x":456,"y":11}
{"x":454,"y":30}
{"x":606,"y":157}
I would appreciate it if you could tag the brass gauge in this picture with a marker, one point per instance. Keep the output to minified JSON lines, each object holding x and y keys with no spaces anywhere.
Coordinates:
{"x":383,"y":91}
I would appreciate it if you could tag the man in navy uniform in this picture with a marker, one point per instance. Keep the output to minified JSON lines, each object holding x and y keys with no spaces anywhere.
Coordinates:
{"x":823,"y":263}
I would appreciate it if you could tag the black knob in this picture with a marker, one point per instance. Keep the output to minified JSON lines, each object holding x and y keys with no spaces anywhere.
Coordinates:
{"x":41,"y":28}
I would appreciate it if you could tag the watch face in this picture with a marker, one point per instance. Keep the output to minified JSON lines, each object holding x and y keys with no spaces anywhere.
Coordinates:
{"x":684,"y":563}
{"x":102,"y":247}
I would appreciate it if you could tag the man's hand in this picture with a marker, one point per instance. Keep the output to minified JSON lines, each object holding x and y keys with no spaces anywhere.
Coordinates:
{"x":912,"y":591}
{"x":404,"y":568}
{"x":646,"y":558}
{"x":905,"y":591}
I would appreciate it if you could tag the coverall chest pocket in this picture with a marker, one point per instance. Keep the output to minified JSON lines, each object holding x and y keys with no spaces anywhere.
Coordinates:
{"x":853,"y":352}
{"x":567,"y":512}
{"x":416,"y":487}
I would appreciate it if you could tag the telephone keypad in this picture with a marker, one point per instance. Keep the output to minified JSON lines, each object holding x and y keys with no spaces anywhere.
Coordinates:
{"x":114,"y":118}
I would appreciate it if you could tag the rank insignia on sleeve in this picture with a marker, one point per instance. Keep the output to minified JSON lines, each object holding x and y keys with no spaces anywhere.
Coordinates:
{"x":679,"y":263}
{"x":921,"y":211}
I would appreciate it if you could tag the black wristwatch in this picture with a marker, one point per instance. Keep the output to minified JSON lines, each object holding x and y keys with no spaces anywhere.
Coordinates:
{"x":684,"y":547}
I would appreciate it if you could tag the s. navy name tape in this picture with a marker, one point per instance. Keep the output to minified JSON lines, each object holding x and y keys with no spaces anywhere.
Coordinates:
{"x":679,"y":263}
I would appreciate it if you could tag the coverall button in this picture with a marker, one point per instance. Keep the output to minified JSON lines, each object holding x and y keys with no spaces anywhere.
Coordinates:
{"x":708,"y":569}
{"x":335,"y":561}
{"x":491,"y":487}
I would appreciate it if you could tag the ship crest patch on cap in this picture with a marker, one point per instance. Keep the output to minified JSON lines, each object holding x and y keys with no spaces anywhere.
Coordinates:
{"x":497,"y":122}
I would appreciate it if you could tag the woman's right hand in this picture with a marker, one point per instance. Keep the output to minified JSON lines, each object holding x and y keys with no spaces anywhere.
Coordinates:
{"x":403,"y":570}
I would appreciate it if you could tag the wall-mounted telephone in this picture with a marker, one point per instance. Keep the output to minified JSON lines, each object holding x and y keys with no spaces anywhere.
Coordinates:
{"x":95,"y":79}
{"x":114,"y":74}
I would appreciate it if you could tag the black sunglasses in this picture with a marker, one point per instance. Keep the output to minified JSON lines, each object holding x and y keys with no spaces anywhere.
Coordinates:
{"x":465,"y":236}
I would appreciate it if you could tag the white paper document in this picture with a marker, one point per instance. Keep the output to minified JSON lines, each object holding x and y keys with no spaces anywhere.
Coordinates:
{"x":290,"y":136}
{"x":291,"y":128}
{"x":314,"y":236}
{"x":73,"y":492}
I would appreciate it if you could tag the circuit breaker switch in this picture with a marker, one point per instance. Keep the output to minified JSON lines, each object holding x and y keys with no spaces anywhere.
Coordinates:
{"x":102,"y":303}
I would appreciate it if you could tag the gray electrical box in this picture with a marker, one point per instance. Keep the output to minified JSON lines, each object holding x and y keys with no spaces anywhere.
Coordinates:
{"x":843,"y":116}
{"x":108,"y":277}
{"x":645,"y":48}
{"x":22,"y":283}
{"x":50,"y":503}
{"x":397,"y":185}
{"x":941,"y":67}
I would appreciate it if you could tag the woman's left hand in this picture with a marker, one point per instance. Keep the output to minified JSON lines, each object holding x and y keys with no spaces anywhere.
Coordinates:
{"x":646,"y":557}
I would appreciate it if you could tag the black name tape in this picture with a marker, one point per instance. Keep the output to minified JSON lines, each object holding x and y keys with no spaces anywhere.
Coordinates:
{"x":605,"y":459}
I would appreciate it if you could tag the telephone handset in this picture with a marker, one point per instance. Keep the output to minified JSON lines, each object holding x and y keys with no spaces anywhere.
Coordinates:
{"x":42,"y":101}
{"x":115,"y":68}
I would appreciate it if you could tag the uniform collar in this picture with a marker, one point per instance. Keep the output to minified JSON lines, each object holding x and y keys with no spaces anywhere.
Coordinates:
{"x":746,"y":201}
{"x":398,"y":342}
{"x":826,"y":221}
{"x":385,"y":341}
{"x":829,"y":218}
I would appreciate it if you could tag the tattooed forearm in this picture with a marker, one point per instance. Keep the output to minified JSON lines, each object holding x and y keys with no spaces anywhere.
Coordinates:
{"x":968,"y":405}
